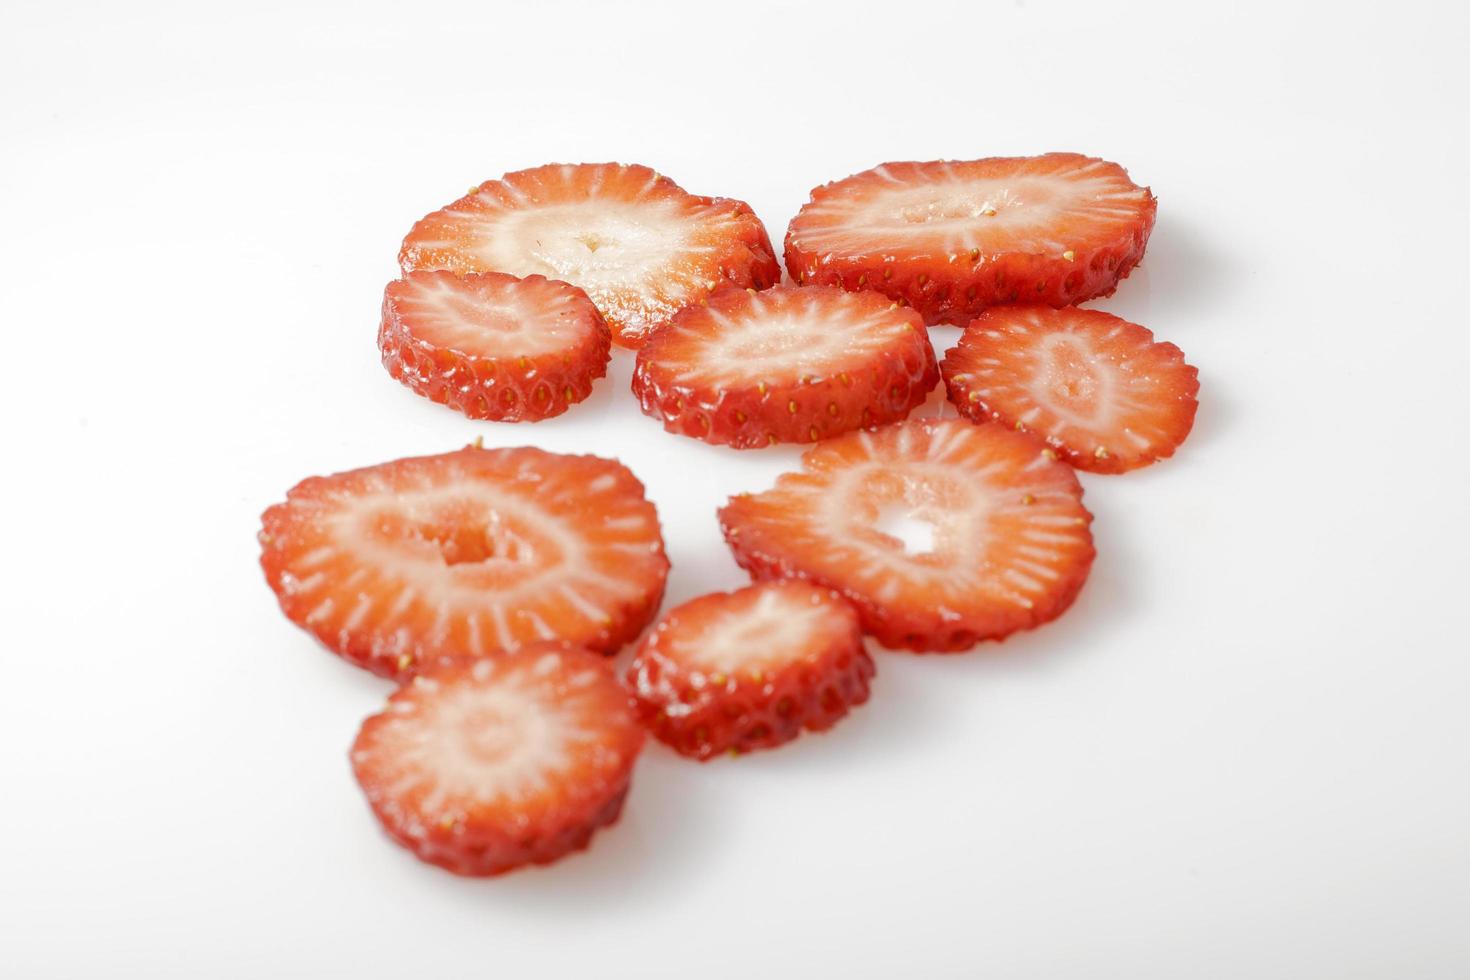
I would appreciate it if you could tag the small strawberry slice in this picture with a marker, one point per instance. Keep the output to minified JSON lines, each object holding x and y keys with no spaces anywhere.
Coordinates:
{"x":473,"y":552}
{"x":493,"y":346}
{"x":1010,"y":548}
{"x":483,"y":766}
{"x":1099,"y":389}
{"x":640,"y":246}
{"x":951,"y":238}
{"x":752,"y":369}
{"x":736,"y":671}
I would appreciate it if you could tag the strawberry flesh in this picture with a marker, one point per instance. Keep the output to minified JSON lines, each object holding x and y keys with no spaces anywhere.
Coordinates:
{"x":950,"y":238}
{"x":1010,"y":547}
{"x":474,"y":552}
{"x":639,"y":245}
{"x":750,"y":369}
{"x":482,"y":765}
{"x":745,"y":670}
{"x":1098,"y":389}
{"x":493,"y":346}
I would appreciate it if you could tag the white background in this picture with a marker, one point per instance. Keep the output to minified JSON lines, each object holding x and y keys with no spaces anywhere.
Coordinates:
{"x":1242,"y":754}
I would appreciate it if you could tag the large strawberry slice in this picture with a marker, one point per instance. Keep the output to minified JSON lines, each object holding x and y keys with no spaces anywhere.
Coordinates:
{"x":639,"y":245}
{"x":751,"y":368}
{"x":736,"y":671}
{"x":1010,"y":541}
{"x":493,"y":346}
{"x":951,"y":238}
{"x":1099,"y":389}
{"x":468,"y":553}
{"x":482,"y":766}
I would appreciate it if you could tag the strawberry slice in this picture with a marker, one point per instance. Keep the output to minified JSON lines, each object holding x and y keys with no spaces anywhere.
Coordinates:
{"x":736,"y":671}
{"x":785,"y":365}
{"x":951,"y":238}
{"x":1010,"y":548}
{"x":635,"y":241}
{"x":481,"y":766}
{"x":472,"y":552}
{"x":493,"y":346}
{"x":1097,"y":388}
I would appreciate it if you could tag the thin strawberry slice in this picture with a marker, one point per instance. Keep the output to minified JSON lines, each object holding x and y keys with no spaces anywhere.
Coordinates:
{"x":1011,"y":544}
{"x":737,"y":671}
{"x":952,"y":238}
{"x":639,"y":245}
{"x":1098,"y":389}
{"x":483,"y":766}
{"x":754,"y":368}
{"x":493,"y":346}
{"x":472,"y":552}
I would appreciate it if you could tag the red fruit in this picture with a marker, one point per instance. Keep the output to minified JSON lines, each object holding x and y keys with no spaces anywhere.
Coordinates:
{"x":639,"y":245}
{"x":1011,"y":541}
{"x":482,"y":766}
{"x":951,"y":238}
{"x":736,"y":671}
{"x":1097,"y":388}
{"x":473,"y":552}
{"x":785,"y":365}
{"x":493,"y":346}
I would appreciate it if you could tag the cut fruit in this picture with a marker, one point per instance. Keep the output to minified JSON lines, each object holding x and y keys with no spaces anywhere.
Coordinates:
{"x":1099,"y":389}
{"x":1009,"y":540}
{"x":737,"y":671}
{"x":639,"y":245}
{"x":492,"y":346}
{"x":950,"y":238}
{"x":751,"y":369}
{"x":483,"y":766}
{"x":473,"y":552}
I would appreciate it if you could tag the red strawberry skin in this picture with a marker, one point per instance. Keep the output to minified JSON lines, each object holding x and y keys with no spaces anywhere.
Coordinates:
{"x":951,"y":275}
{"x":592,"y":225}
{"x":703,"y":708}
{"x":470,"y":830}
{"x":503,"y":385}
{"x":1101,"y":391}
{"x":1013,"y":542}
{"x":724,"y":397}
{"x":474,"y":552}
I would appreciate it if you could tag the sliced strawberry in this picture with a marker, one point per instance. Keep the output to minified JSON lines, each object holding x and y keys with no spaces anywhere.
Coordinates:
{"x":736,"y":671}
{"x":472,"y":552}
{"x":1011,"y":544}
{"x":754,"y":368}
{"x":481,"y":766}
{"x":1097,"y":388}
{"x":951,"y":238}
{"x":493,"y":346}
{"x":635,"y":241}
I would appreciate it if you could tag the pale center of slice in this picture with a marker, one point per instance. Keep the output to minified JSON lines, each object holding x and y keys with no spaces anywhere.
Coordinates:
{"x":765,"y":633}
{"x":601,"y":246}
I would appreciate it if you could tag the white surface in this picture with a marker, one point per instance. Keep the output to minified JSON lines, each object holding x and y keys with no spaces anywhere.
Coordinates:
{"x":1242,"y":754}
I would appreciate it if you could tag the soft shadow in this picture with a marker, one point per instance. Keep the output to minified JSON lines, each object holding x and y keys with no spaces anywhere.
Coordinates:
{"x":1179,"y":273}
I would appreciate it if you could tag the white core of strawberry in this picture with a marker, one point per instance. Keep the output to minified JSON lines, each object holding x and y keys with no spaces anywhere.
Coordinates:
{"x":957,"y":212}
{"x":603,"y":246}
{"x":781,"y":344}
{"x":778,"y":628}
{"x":520,"y":321}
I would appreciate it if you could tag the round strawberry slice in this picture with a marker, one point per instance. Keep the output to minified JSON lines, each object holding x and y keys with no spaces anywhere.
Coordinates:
{"x":952,"y":238}
{"x":493,"y":346}
{"x":1009,"y":540}
{"x":483,"y":766}
{"x":736,"y":671}
{"x":1099,"y":389}
{"x":639,"y":245}
{"x":473,"y":552}
{"x":751,"y":368}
